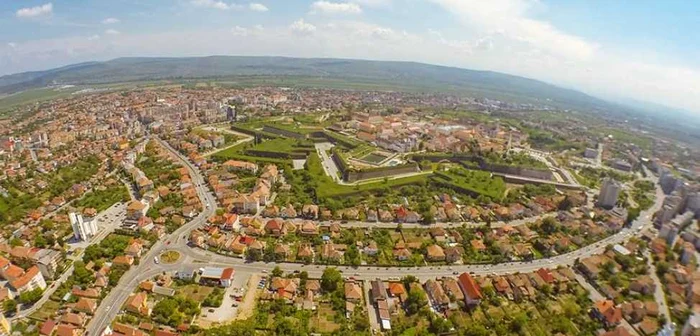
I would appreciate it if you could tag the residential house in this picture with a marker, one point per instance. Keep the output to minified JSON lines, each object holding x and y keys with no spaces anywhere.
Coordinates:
{"x":353,"y":291}
{"x":435,"y":253}
{"x":471,"y":290}
{"x":437,"y":295}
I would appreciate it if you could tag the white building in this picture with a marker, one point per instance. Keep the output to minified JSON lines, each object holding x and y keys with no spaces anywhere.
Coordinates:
{"x":609,"y":192}
{"x":83,"y":228}
{"x":692,"y":326}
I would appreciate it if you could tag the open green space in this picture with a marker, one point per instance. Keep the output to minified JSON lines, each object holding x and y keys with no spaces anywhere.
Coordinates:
{"x":474,"y":182}
{"x":326,"y":187}
{"x":300,"y":129}
{"x":344,"y":140}
{"x":283,"y":146}
{"x":592,"y":177}
{"x":103,"y":199}
{"x":169,"y":257}
{"x":514,"y":159}
{"x":34,"y":96}
{"x":374,"y":158}
{"x":195,"y":292}
{"x":238,"y":153}
{"x":642,"y":141}
{"x":46,"y":311}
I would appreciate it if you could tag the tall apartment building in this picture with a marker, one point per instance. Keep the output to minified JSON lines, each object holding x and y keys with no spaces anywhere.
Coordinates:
{"x":609,"y":192}
{"x":83,"y":228}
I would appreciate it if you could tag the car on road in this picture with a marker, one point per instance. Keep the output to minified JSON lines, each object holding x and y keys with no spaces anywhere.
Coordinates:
{"x":155,"y":260}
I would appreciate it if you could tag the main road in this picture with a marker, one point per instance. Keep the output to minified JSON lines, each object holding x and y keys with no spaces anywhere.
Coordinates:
{"x":192,"y":257}
{"x":112,"y":303}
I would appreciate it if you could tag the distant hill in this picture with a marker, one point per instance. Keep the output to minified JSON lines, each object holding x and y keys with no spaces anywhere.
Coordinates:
{"x":384,"y":74}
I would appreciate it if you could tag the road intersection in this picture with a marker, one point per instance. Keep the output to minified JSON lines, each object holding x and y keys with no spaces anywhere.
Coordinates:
{"x":193,"y":258}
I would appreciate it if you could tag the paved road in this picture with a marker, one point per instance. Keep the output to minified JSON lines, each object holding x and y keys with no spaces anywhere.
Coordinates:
{"x":328,"y":164}
{"x":111,"y":304}
{"x":659,"y":295}
{"x":194,"y":257}
{"x":103,"y":217}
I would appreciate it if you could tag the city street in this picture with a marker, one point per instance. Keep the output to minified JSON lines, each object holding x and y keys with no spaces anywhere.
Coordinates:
{"x":198,"y":258}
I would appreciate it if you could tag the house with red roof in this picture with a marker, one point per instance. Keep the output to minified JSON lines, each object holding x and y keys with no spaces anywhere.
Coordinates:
{"x":471,"y":290}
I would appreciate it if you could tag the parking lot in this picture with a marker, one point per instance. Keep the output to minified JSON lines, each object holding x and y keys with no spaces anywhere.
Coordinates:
{"x":228,"y":311}
{"x":107,"y":221}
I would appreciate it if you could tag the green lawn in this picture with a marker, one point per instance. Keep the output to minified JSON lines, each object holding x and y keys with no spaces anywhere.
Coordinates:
{"x":237,"y":153}
{"x":282,"y":145}
{"x":195,"y":292}
{"x":326,"y":187}
{"x":33,"y":96}
{"x":472,"y":181}
{"x":374,"y":158}
{"x":628,"y":137}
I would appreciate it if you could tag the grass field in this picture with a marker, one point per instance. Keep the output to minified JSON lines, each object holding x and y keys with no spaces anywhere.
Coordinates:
{"x":169,"y":257}
{"x":281,"y":145}
{"x":196,"y":292}
{"x":236,"y":153}
{"x":46,"y":311}
{"x":326,"y":187}
{"x":33,"y":96}
{"x":475,"y":181}
{"x":623,"y":136}
{"x":374,"y":158}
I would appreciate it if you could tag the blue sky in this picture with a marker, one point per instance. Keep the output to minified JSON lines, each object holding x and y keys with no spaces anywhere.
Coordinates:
{"x":646,"y":50}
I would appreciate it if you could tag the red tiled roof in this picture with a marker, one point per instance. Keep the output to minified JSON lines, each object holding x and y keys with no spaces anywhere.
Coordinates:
{"x":47,"y":327}
{"x":227,"y":274}
{"x":469,"y":286}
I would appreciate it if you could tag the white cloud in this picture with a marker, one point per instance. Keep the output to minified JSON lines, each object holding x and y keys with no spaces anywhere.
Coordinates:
{"x":478,"y":45}
{"x":301,"y":27}
{"x":258,"y":7}
{"x":215,"y":4}
{"x":112,"y":32}
{"x":509,"y":17}
{"x":239,"y":31}
{"x":327,"y":7}
{"x":35,"y":12}
{"x":94,"y":37}
{"x":111,"y":20}
{"x":373,"y":3}
{"x":12,"y":45}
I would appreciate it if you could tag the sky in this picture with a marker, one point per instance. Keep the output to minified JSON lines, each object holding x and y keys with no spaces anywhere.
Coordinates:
{"x":616,"y":49}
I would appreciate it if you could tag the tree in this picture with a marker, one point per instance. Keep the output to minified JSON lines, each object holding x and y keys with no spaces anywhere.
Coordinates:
{"x":331,"y":279}
{"x":352,"y":256}
{"x":10,"y":307}
{"x":415,"y":301}
{"x":476,"y":330}
{"x":439,"y":325}
{"x":276,"y":272}
{"x":253,"y":254}
{"x":549,"y":225}
{"x":565,"y":204}
{"x":31,"y":296}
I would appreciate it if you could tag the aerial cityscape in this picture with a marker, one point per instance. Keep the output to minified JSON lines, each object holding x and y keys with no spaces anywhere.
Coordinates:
{"x":256,"y":195}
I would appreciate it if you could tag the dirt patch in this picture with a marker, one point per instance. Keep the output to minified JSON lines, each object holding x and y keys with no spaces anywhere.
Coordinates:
{"x":247,"y":306}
